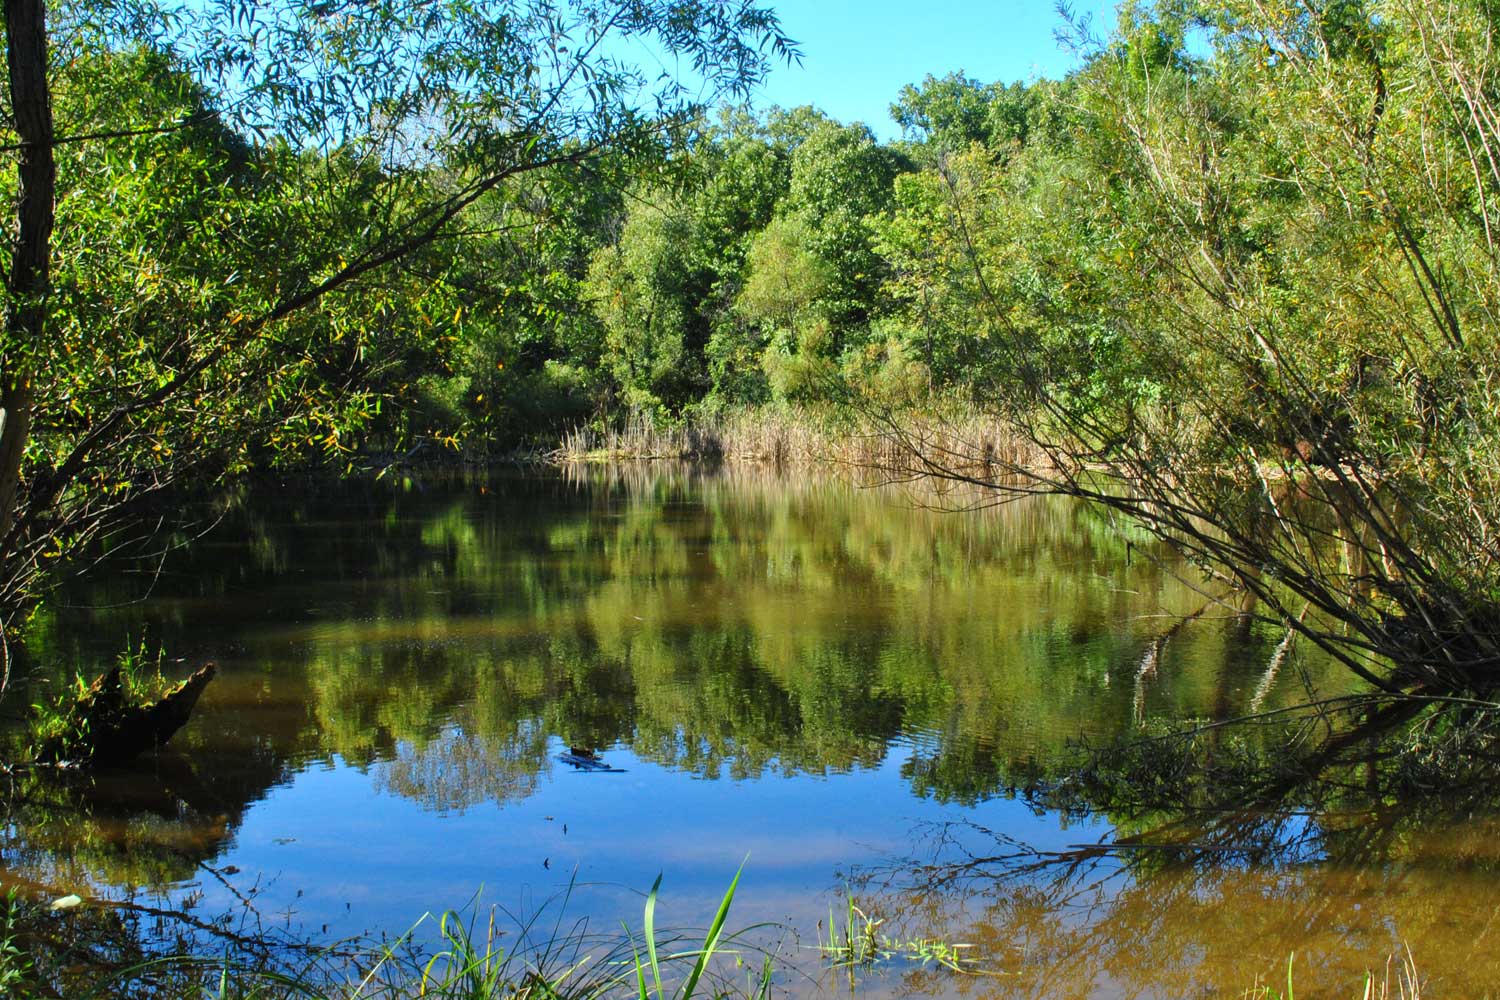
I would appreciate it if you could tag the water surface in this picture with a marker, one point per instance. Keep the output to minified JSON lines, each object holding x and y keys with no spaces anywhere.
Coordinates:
{"x":834,"y":687}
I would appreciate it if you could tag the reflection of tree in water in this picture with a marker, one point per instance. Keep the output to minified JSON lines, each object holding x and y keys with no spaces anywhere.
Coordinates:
{"x":137,"y":842}
{"x":441,"y":637}
{"x":127,"y":831}
{"x":120,"y":833}
{"x":458,"y":770}
{"x":711,"y":706}
{"x":728,"y":625}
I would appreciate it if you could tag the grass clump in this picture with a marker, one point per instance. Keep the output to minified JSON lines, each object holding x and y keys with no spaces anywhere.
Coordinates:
{"x":1400,"y":982}
{"x":700,"y":957}
{"x":125,"y":712}
{"x":478,"y":954}
{"x":855,"y":941}
{"x":804,"y":436}
{"x":61,"y":732}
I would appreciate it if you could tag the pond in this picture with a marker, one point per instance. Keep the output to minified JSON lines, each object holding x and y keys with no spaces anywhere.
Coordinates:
{"x":457,"y":692}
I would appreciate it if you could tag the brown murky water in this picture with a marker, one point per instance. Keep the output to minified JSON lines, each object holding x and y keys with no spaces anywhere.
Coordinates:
{"x":855,"y":693}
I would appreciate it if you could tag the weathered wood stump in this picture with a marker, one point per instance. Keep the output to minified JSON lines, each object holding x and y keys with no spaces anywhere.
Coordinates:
{"x":104,"y":728}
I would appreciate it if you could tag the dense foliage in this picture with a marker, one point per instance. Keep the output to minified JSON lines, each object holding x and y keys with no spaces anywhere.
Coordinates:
{"x":1235,"y":276}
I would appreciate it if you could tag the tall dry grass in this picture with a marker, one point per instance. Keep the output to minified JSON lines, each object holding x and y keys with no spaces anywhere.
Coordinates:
{"x":879,"y":445}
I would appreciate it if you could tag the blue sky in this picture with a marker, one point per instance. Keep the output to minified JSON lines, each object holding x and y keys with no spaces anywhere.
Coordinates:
{"x":859,"y":53}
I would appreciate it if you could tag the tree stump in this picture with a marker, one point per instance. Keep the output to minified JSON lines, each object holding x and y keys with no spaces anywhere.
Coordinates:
{"x":104,"y":728}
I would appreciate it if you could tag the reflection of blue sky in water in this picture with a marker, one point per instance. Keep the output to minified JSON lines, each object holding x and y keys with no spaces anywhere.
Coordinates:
{"x":391,"y":859}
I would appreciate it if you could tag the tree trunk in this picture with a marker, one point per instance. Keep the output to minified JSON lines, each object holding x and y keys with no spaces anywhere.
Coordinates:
{"x":26,"y":284}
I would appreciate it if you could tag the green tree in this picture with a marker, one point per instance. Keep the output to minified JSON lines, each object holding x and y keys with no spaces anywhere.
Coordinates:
{"x":839,"y":177}
{"x":646,"y":290}
{"x":664,"y":290}
{"x":813,"y":282}
{"x":785,"y":288}
{"x":951,"y":113}
{"x":746,"y":175}
{"x":528,"y":347}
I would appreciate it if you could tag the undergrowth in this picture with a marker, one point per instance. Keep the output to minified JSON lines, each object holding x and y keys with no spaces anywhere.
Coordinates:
{"x":15,"y":964}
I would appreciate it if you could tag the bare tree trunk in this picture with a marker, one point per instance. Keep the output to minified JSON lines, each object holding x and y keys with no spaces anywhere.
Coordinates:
{"x":27,"y":281}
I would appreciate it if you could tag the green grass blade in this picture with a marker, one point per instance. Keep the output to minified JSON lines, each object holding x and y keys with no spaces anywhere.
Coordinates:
{"x":762,"y":990}
{"x":849,"y":925}
{"x":640,"y":967}
{"x":651,"y":937}
{"x":712,"y":941}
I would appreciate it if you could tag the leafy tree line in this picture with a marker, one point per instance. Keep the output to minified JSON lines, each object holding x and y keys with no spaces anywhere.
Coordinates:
{"x":1243,"y":291}
{"x":780,"y":257}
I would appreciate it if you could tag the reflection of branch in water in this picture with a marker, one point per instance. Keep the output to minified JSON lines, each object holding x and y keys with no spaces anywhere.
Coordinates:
{"x":122,"y":947}
{"x":1247,"y":837}
{"x":1197,"y":910}
{"x":1278,"y":657}
{"x":1298,"y":754}
{"x":66,"y":833}
{"x":1149,"y":662}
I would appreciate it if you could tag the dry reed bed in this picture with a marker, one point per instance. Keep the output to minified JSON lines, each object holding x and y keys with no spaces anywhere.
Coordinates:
{"x":875,"y":446}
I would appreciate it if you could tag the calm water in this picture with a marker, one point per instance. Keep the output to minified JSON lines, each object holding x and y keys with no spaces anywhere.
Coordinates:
{"x":834,"y":687}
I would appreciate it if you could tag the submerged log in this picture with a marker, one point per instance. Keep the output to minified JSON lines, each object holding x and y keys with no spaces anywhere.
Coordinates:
{"x":104,"y":728}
